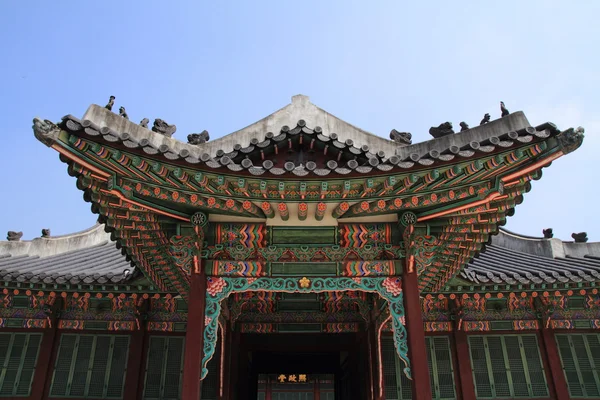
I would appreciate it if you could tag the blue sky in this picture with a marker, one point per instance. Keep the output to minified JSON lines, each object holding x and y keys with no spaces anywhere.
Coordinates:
{"x":223,"y":65}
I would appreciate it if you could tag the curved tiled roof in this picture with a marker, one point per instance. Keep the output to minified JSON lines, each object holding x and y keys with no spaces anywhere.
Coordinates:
{"x":101,"y":264}
{"x":506,"y":132}
{"x":88,"y":257}
{"x":509,"y":260}
{"x":512,"y":260}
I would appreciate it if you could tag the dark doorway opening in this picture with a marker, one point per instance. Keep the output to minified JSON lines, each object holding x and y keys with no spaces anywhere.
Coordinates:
{"x":303,"y":367}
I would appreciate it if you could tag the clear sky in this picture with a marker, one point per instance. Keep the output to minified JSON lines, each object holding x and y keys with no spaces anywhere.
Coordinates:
{"x":223,"y":65}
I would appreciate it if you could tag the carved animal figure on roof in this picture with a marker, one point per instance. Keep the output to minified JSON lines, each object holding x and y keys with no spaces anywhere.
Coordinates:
{"x":163,"y":128}
{"x":13,"y":236}
{"x":504,"y":110}
{"x":444,"y":129}
{"x":464,"y":126}
{"x":401,"y":137}
{"x":45,"y":233}
{"x":111,"y":103}
{"x":123,"y":113}
{"x":570,"y":139}
{"x":198,"y":138}
{"x":43,"y":128}
{"x":580,"y":237}
{"x":144,"y":123}
{"x":548,"y":233}
{"x":486,"y":119}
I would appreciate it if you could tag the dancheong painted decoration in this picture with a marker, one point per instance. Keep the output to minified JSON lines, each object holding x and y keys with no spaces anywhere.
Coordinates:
{"x":300,"y":257}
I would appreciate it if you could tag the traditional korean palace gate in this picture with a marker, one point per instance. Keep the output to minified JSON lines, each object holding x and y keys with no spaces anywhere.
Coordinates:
{"x":229,"y":224}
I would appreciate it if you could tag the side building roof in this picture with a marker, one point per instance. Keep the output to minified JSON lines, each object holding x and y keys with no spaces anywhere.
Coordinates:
{"x":513,"y":259}
{"x":87,"y":257}
{"x":90,"y":257}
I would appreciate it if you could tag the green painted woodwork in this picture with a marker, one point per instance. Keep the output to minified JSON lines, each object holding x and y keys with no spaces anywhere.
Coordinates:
{"x":163,"y":375}
{"x":304,"y":235}
{"x":293,"y":268}
{"x":580,"y":356}
{"x":164,"y":368}
{"x":441,"y":372}
{"x":18,"y":358}
{"x":90,"y":366}
{"x":20,"y":302}
{"x":507,"y":366}
{"x":219,"y":288}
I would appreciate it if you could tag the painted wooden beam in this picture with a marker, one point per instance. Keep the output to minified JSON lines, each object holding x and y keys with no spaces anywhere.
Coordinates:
{"x":320,"y":211}
{"x":283,"y":211}
{"x":302,"y":211}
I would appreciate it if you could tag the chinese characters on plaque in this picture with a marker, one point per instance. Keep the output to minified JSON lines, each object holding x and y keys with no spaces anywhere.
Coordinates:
{"x":300,"y":378}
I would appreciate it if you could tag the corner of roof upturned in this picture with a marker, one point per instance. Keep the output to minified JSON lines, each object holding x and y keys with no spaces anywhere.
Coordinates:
{"x":45,"y":131}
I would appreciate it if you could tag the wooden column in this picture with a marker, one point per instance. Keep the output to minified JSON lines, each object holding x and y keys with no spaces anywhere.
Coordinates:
{"x":465,"y":370}
{"x":44,"y":369}
{"x":554,"y":364}
{"x":372,"y":362}
{"x":134,"y":364}
{"x":234,"y":365}
{"x":194,"y":336}
{"x":417,"y":350}
{"x":268,"y":389}
{"x":227,"y":362}
{"x":316,"y":390}
{"x":42,"y":378}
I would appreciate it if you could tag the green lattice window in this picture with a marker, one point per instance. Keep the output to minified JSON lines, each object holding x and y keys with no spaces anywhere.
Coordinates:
{"x":91,"y":366}
{"x":580,"y":356}
{"x":507,"y":366}
{"x":18,"y":358}
{"x":441,"y":373}
{"x":164,"y":368}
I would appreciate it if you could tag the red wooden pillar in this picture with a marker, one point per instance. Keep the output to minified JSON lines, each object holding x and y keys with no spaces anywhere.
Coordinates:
{"x":226,"y":361}
{"x":553,"y":357}
{"x":316,"y":390}
{"x":194,"y":336}
{"x":268,"y":389}
{"x":134,"y":364}
{"x":417,"y":350}
{"x":372,"y":360}
{"x":465,"y":370}
{"x":44,"y":369}
{"x":234,"y":366}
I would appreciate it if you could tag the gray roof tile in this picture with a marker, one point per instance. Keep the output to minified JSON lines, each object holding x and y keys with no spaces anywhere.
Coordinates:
{"x":100,"y":263}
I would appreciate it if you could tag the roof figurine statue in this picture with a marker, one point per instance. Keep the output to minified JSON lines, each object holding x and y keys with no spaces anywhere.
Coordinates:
{"x":464,"y":126}
{"x":570,"y":139}
{"x":401,"y":137}
{"x":503,"y":109}
{"x":163,"y":128}
{"x":485,"y":120}
{"x":13,"y":236}
{"x":444,"y":129}
{"x":46,"y":233}
{"x":111,"y":103}
{"x":198,"y":138}
{"x":123,"y":113}
{"x":45,"y":131}
{"x":548,"y":234}
{"x":144,"y":123}
{"x":580,"y":237}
